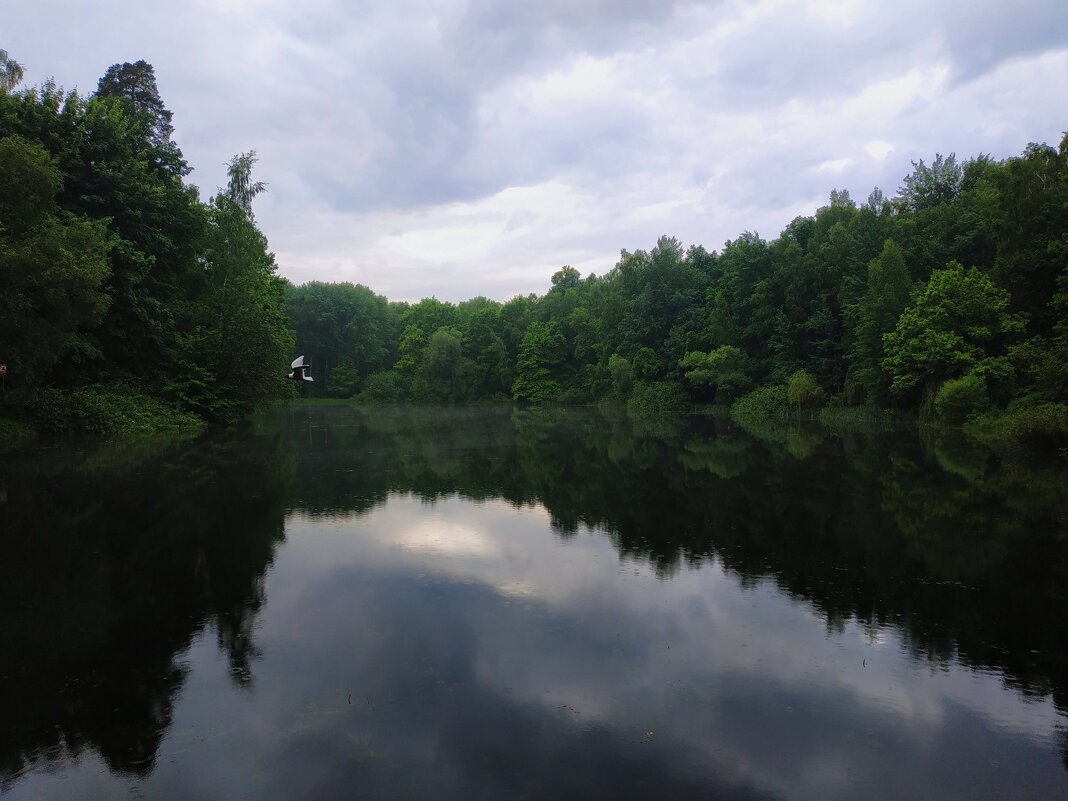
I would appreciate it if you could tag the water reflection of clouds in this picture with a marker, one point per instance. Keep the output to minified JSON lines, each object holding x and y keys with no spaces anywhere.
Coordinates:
{"x":704,"y":611}
{"x":466,"y":645}
{"x":444,"y":538}
{"x":613,"y":645}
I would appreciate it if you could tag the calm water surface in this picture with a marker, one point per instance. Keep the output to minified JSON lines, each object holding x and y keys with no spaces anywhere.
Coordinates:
{"x":334,"y":603}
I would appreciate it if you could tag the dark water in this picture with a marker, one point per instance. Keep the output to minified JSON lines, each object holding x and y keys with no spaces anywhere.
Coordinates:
{"x":484,"y":604}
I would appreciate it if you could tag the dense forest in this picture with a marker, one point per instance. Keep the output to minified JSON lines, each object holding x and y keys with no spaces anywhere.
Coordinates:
{"x":948,"y":301}
{"x":128,"y":300}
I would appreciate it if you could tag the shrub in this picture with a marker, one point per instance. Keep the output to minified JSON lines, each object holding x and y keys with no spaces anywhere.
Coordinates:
{"x":385,"y":387}
{"x":769,"y":402}
{"x":960,"y":399}
{"x":1042,"y":427}
{"x":103,"y":409}
{"x":657,"y":396}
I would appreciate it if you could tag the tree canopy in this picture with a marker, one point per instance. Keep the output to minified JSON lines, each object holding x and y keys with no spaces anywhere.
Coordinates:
{"x":116,"y":277}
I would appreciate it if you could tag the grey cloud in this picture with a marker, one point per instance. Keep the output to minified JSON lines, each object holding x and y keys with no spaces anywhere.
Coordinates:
{"x":794,"y":55}
{"x":980,"y":36}
{"x":369,"y":106}
{"x":422,"y":93}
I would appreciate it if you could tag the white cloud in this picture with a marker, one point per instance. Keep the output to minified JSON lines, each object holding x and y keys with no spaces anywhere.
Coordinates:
{"x":833,"y":166}
{"x":878,"y":149}
{"x":465,"y":148}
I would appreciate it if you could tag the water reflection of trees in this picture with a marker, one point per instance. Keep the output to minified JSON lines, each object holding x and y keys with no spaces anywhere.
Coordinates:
{"x":962,"y":551}
{"x":112,"y":560}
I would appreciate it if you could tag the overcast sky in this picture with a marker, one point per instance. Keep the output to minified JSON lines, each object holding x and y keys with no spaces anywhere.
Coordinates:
{"x":455,"y":148}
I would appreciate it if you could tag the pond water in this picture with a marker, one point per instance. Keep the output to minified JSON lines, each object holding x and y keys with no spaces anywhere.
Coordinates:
{"x":343,"y":603}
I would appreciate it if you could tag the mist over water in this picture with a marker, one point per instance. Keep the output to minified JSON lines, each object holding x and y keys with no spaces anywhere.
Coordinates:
{"x":333,"y":602}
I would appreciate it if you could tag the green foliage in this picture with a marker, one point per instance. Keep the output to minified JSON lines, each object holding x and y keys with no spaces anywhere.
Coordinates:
{"x":887,"y":294}
{"x":135,"y":84}
{"x":724,"y":371}
{"x":657,"y":396}
{"x":768,"y":402}
{"x":52,"y":267}
{"x":125,"y":297}
{"x":960,"y":399}
{"x":11,"y":72}
{"x":344,"y":325}
{"x":802,"y":391}
{"x":540,"y":355}
{"x":240,"y":188}
{"x":565,"y":278}
{"x":1041,"y":427}
{"x":955,"y":322}
{"x":1043,"y":365}
{"x":622,"y":376}
{"x":15,"y":433}
{"x":344,"y":380}
{"x":1030,"y":220}
{"x":234,"y":336}
{"x":488,"y":364}
{"x":646,"y":364}
{"x":386,"y":387}
{"x":29,"y":183}
{"x":107,"y":409}
{"x":444,"y":375}
{"x":931,"y":186}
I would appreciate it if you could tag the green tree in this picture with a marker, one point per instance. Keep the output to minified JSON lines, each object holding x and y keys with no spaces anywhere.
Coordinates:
{"x":240,"y":187}
{"x":483,"y":345}
{"x":959,"y":399}
{"x":930,"y":186}
{"x":1030,"y":220}
{"x":136,"y":84}
{"x":444,"y":373}
{"x":540,"y":356}
{"x":724,"y":371}
{"x":114,"y":273}
{"x":877,"y":312}
{"x":234,"y":338}
{"x":412,"y":345}
{"x":567,"y":277}
{"x":11,"y":72}
{"x":346,"y":326}
{"x":803,"y":391}
{"x":955,"y":324}
{"x":52,"y":267}
{"x":622,"y":376}
{"x":344,"y":380}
